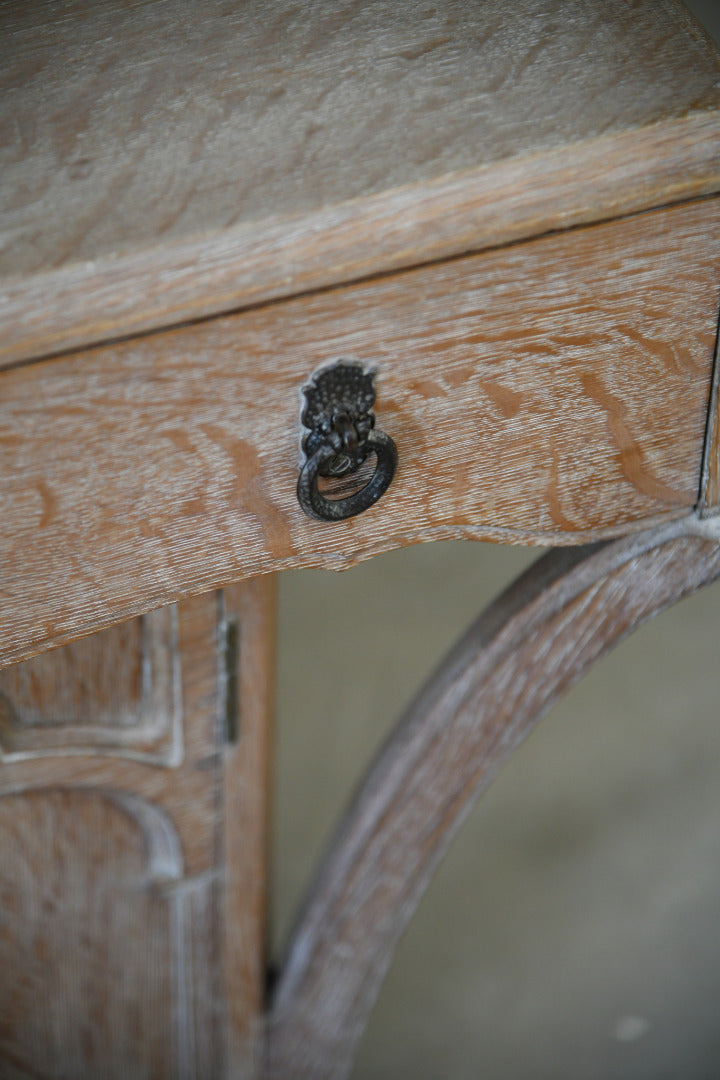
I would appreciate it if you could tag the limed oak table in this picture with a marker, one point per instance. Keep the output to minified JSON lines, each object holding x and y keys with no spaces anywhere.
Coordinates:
{"x":506,"y":221}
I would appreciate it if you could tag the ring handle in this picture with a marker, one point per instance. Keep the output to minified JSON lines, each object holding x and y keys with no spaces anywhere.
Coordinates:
{"x":340,"y":421}
{"x":317,"y":506}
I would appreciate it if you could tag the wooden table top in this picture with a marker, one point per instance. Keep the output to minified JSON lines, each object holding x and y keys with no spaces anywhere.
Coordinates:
{"x":159,"y":166}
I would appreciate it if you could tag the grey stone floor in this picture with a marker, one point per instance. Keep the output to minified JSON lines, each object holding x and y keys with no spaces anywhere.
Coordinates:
{"x":573,"y":932}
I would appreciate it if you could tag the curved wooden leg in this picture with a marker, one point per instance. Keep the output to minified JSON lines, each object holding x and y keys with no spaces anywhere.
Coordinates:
{"x":537,"y":640}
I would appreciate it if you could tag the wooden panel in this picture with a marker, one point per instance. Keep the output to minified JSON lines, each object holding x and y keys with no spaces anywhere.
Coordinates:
{"x":261,"y":151}
{"x":83,"y":991}
{"x":247,"y":790}
{"x":116,"y":692}
{"x":131,"y":914}
{"x":551,"y":392}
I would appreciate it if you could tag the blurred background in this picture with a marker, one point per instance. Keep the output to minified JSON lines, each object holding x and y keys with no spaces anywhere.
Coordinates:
{"x":574,"y":929}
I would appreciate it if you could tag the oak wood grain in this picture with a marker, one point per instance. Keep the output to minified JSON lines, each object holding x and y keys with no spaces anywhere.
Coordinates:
{"x":86,"y":940}
{"x":484,"y":699}
{"x":109,"y":876}
{"x":117,"y":692}
{"x":549,"y":392}
{"x":247,"y":791}
{"x":131,"y":929}
{"x":158,"y":168}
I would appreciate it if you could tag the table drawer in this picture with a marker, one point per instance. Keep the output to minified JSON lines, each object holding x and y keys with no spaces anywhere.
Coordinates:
{"x":549,"y":392}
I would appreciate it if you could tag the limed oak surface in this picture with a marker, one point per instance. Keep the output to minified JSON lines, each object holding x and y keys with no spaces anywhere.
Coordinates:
{"x":552,"y":392}
{"x":159,"y":167}
{"x":549,"y":392}
{"x":132,"y":884}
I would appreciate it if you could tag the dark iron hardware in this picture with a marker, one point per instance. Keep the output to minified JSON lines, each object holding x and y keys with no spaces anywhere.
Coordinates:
{"x":341,"y":436}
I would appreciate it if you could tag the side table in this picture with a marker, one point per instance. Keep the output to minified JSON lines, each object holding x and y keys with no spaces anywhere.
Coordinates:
{"x":284,"y":287}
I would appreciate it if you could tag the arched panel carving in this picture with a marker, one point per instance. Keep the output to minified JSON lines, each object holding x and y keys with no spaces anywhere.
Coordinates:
{"x":117,"y":692}
{"x":106,"y":958}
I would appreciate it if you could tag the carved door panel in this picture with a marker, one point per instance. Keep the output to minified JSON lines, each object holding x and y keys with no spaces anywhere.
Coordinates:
{"x":93,"y":939}
{"x":132,"y":832}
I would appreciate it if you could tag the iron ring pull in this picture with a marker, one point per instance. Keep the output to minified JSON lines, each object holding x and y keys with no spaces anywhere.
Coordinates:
{"x":317,"y":506}
{"x":341,"y":436}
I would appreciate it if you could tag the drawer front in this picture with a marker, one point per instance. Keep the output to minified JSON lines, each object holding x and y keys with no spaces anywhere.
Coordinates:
{"x":550,"y":392}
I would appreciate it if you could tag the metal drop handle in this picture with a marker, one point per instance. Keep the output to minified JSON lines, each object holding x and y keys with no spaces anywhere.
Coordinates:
{"x":341,"y":436}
